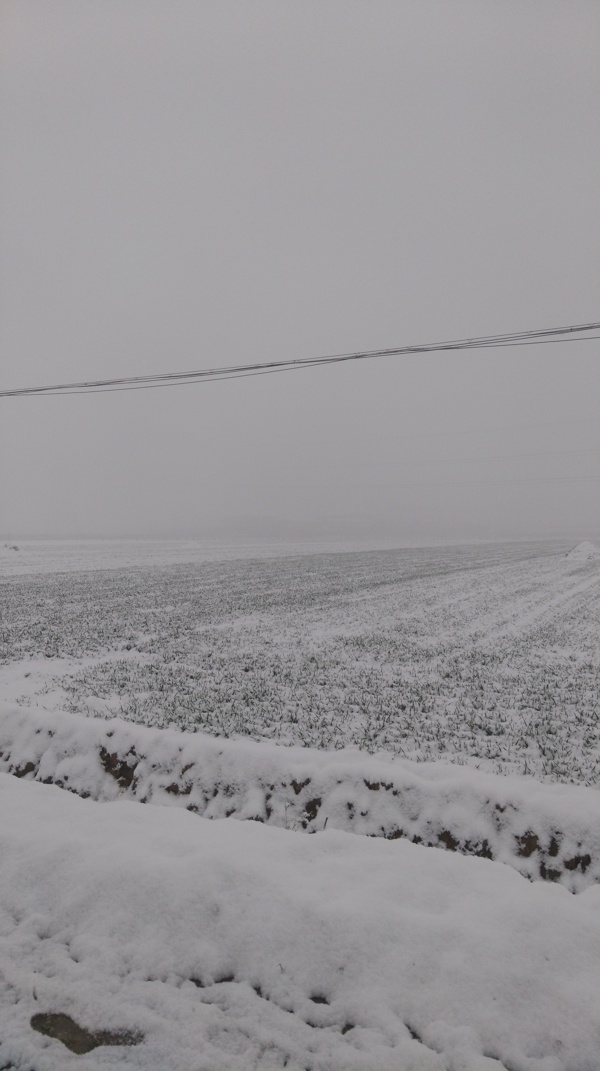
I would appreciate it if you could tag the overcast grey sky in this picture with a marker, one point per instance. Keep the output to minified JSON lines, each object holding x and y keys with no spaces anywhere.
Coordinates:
{"x":191,"y":184}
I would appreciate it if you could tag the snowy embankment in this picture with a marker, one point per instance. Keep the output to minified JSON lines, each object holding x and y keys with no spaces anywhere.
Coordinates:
{"x":543,"y":831}
{"x":161,"y":941}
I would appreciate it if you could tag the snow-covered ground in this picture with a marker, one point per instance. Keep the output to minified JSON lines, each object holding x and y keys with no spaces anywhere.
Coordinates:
{"x":487,"y":656}
{"x":181,"y":936}
{"x":22,"y":556}
{"x":584,"y":552}
{"x":214,"y":946}
{"x":545,"y":832}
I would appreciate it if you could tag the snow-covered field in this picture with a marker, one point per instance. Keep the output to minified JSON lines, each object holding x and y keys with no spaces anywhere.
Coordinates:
{"x":487,"y":655}
{"x":171,"y":937}
{"x":82,"y":555}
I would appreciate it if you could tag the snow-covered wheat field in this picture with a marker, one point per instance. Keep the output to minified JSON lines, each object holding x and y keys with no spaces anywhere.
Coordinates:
{"x":394,"y":703}
{"x":486,"y":655}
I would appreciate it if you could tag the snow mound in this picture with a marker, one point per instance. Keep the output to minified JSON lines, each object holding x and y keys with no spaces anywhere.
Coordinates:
{"x":230,"y":946}
{"x":584,"y":552}
{"x":544,"y":831}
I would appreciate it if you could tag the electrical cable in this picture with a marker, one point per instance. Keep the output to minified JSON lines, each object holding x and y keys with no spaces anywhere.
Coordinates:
{"x":572,"y":333}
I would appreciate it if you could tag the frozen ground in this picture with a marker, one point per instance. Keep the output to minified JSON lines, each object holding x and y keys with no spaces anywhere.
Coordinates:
{"x":487,"y":655}
{"x":171,"y":937}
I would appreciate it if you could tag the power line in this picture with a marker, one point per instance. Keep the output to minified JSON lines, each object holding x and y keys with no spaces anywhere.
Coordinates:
{"x":572,"y":333}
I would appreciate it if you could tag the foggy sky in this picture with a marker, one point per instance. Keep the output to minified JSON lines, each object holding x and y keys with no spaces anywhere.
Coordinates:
{"x":189,"y":185}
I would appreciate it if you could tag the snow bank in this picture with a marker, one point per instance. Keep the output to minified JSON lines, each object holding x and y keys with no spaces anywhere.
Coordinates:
{"x":548,"y":832}
{"x":228,"y":946}
{"x":584,"y":552}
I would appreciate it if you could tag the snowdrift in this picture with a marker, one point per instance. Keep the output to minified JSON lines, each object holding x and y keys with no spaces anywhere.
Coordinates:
{"x":543,"y":831}
{"x":170,"y":942}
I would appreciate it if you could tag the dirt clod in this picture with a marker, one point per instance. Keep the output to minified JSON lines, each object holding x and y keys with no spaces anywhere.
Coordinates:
{"x":22,"y":771}
{"x":547,"y":873}
{"x":76,"y":1038}
{"x":312,"y":808}
{"x":299,"y":785}
{"x":528,"y":844}
{"x":117,"y":768}
{"x":578,"y":861}
{"x":448,"y":840}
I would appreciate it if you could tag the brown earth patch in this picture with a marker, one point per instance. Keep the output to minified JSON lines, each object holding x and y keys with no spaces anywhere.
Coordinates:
{"x":76,"y":1038}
